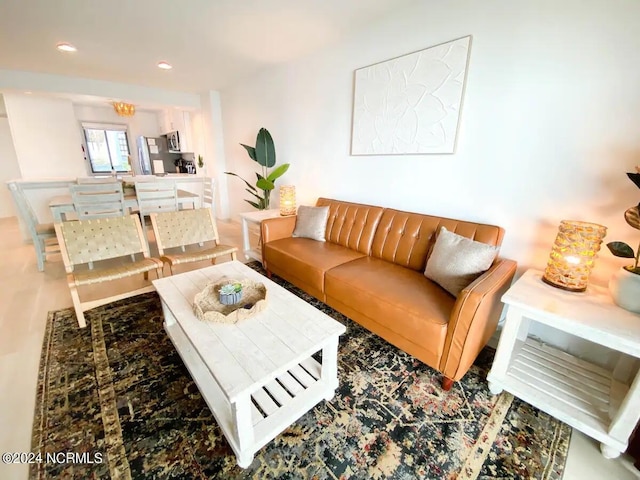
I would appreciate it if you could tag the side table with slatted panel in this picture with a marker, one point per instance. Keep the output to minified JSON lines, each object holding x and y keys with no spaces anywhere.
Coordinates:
{"x":602,"y":403}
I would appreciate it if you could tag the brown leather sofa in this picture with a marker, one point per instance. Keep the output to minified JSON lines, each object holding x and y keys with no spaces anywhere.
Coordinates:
{"x":371,"y":270}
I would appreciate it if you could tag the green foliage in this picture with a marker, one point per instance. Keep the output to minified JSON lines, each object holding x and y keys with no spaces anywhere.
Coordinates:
{"x":230,"y":288}
{"x":632,"y":217}
{"x":265,"y":150}
{"x":264,"y":153}
{"x":621,"y":249}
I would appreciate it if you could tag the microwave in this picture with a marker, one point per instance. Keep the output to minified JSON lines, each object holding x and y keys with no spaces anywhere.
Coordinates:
{"x":173,"y":141}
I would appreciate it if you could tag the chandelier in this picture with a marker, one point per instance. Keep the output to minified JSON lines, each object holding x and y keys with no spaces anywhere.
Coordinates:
{"x":124,"y":109}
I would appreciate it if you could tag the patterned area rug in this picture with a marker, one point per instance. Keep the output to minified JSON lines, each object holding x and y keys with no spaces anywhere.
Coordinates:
{"x":118,"y":396}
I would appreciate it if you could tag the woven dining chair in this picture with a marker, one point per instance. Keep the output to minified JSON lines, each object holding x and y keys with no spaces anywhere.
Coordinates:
{"x":98,"y":200}
{"x":92,"y":241}
{"x":195,"y":228}
{"x":42,"y":235}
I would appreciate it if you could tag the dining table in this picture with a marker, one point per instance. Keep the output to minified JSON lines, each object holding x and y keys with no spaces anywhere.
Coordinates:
{"x":62,"y":204}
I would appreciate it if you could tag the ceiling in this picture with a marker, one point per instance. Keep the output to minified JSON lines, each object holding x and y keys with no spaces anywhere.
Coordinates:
{"x":210,"y":43}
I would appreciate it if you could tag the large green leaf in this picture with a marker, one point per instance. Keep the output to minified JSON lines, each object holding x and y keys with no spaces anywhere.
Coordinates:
{"x":251,"y":151}
{"x":265,"y":184}
{"x":621,"y":249}
{"x":248,"y":184}
{"x":254,"y":204}
{"x":278,"y":172}
{"x":265,"y":149}
{"x":632,"y":216}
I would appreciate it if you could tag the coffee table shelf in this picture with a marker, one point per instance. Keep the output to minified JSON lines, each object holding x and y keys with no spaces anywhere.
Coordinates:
{"x":296,"y":391}
{"x":258,"y":376}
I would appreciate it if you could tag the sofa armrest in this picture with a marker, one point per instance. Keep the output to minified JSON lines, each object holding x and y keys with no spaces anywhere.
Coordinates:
{"x":474,"y":318}
{"x":277,"y":228}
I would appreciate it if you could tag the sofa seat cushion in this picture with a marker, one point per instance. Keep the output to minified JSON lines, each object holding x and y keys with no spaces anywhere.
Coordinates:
{"x":307,"y":260}
{"x":401,"y":299}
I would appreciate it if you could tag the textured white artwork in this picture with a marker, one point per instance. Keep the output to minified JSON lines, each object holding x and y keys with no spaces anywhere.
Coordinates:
{"x":410,"y":104}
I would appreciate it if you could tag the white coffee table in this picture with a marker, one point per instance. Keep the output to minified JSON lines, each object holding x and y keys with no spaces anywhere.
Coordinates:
{"x":257,"y":376}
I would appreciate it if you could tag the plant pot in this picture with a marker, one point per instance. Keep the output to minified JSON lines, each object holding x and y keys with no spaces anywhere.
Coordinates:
{"x":230,"y":298}
{"x":625,"y":290}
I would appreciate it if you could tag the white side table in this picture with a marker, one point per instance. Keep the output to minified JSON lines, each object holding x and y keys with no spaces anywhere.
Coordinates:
{"x":591,"y":399}
{"x":254,"y":218}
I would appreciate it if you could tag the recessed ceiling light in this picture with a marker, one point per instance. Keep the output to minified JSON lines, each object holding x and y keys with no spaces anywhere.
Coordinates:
{"x":28,"y":93}
{"x":165,"y":66}
{"x":66,"y":47}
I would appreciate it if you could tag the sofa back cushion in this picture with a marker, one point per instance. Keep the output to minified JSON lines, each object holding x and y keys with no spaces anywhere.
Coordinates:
{"x":406,"y":238}
{"x":351,"y":225}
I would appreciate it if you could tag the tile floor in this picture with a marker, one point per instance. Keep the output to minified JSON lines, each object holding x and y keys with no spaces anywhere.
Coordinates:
{"x":26,"y":296}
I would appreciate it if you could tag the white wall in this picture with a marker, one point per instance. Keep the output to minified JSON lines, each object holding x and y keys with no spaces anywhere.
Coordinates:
{"x":8,"y":168}
{"x":8,"y":164}
{"x":199,"y":139}
{"x":142,"y":123}
{"x":46,"y":136}
{"x":214,"y":145}
{"x":549,"y":124}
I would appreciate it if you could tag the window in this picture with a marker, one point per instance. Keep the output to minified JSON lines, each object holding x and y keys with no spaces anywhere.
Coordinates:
{"x":107,"y":148}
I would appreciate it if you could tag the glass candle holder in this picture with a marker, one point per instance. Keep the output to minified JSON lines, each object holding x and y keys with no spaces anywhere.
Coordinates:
{"x":573,"y":255}
{"x":287,"y":200}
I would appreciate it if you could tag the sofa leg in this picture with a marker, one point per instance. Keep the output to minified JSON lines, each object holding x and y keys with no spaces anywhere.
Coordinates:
{"x":447,"y":383}
{"x":268,"y":274}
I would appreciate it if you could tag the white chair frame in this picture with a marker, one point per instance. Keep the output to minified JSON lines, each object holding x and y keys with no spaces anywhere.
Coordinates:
{"x":154,"y":197}
{"x":42,"y":235}
{"x":98,"y":200}
{"x":209,"y":193}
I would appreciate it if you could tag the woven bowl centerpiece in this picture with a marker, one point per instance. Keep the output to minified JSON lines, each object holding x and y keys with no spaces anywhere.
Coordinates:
{"x":228,"y":301}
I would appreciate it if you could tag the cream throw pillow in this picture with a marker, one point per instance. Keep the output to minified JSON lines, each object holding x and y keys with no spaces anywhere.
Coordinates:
{"x":456,"y":261}
{"x":311,"y":222}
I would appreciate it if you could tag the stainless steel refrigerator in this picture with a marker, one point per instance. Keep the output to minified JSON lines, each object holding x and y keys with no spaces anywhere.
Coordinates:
{"x":154,"y":156}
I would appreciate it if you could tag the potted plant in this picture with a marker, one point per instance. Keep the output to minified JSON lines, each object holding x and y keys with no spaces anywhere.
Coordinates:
{"x":264,"y":153}
{"x":625,"y":283}
{"x":231,"y":293}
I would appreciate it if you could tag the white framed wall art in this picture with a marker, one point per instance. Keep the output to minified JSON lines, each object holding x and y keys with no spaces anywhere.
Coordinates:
{"x":411,"y":104}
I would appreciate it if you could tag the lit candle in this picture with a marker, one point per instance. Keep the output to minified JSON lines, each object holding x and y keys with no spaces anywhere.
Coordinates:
{"x":573,"y":260}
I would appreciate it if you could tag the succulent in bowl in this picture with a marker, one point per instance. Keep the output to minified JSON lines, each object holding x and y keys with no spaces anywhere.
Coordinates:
{"x":230,"y":288}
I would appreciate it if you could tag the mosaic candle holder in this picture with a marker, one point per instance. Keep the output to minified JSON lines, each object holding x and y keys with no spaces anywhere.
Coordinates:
{"x":573,"y":255}
{"x":287,"y":200}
